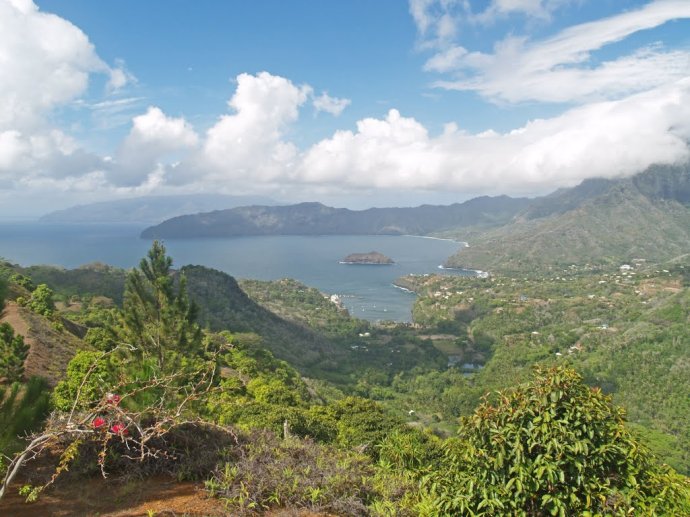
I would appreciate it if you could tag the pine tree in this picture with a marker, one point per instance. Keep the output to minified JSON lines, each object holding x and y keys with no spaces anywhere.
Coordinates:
{"x":158,"y":319}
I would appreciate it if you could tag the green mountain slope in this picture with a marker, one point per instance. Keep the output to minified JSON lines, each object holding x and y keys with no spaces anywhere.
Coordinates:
{"x":318,"y":219}
{"x":598,"y":222}
{"x":223,"y":305}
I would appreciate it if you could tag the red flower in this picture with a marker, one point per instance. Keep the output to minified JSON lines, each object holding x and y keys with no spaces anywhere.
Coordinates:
{"x":112,"y":398}
{"x":98,"y":422}
{"x":120,"y":429}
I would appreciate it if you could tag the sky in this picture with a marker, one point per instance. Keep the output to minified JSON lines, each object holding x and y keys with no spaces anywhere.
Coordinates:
{"x":353,"y":103}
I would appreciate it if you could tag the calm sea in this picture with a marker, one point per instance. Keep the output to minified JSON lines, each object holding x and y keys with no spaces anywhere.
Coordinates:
{"x":367,"y":291}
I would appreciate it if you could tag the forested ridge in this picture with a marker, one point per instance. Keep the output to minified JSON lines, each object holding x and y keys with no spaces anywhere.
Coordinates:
{"x":558,"y":395}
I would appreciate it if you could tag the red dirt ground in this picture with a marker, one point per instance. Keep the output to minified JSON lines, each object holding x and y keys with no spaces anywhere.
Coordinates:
{"x":158,"y":496}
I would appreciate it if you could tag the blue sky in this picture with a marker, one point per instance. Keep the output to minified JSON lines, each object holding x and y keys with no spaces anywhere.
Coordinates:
{"x":355,"y":103}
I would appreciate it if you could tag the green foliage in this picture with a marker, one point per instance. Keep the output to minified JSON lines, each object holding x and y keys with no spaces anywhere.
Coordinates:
{"x":13,"y":352}
{"x":625,"y":331}
{"x":41,"y":301}
{"x":268,"y":473}
{"x":158,"y":320}
{"x":100,"y":338}
{"x":22,"y":409}
{"x":362,"y":423}
{"x":410,"y":450}
{"x":257,"y":391}
{"x":23,"y":281}
{"x":89,"y":377}
{"x":89,"y":281}
{"x":3,"y":292}
{"x":305,"y":305}
{"x":553,"y":446}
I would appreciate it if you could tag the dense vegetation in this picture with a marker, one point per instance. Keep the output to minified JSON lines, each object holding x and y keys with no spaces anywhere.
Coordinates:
{"x":624,"y":329}
{"x":178,"y":378}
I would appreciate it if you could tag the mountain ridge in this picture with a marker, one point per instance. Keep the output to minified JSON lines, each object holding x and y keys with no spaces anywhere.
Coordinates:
{"x":646,"y":216}
{"x":149,"y":209}
{"x":313,"y":218}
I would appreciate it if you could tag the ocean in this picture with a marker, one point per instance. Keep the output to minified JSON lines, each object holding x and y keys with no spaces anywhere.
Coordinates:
{"x":366,"y":290}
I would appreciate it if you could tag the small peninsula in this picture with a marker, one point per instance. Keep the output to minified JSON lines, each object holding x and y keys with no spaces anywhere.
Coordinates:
{"x":373,"y":257}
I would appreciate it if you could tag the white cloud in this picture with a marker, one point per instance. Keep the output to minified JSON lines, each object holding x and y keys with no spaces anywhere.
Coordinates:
{"x":155,"y":129}
{"x":606,"y":139}
{"x":560,"y":68}
{"x":635,"y":113}
{"x":119,"y":77}
{"x":153,"y":137}
{"x":332,"y":105}
{"x":446,"y":60}
{"x":45,"y":63}
{"x":250,"y":144}
{"x":437,"y":20}
{"x":250,"y":149}
{"x":539,"y":9}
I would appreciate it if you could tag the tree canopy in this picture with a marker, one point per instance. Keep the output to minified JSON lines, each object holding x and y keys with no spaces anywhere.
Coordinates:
{"x":158,"y":320}
{"x":553,"y":446}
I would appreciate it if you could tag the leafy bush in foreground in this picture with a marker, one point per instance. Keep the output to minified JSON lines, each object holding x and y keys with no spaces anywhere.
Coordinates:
{"x":551,"y":447}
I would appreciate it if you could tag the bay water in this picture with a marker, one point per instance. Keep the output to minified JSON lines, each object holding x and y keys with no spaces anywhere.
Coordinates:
{"x":366,"y":290}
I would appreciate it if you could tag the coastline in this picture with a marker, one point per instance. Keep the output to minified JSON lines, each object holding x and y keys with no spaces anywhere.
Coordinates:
{"x":478,"y":272}
{"x":367,"y":263}
{"x":404,"y":289}
{"x":464,"y":243}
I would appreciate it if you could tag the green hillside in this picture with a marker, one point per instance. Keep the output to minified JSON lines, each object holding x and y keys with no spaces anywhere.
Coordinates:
{"x":599,"y":222}
{"x":162,"y":390}
{"x":625,"y":331}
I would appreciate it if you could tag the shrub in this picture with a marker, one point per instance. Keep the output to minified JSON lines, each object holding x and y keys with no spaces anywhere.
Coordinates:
{"x":87,"y":380}
{"x":268,"y":472}
{"x":553,"y":446}
{"x":362,"y":423}
{"x":41,"y":301}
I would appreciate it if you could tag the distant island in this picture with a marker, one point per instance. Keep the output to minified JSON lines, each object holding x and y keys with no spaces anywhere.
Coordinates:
{"x":318,"y":219}
{"x":373,"y":257}
{"x":150,"y":209}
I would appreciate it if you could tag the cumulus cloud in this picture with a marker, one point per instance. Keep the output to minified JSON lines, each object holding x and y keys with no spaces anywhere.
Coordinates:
{"x":250,"y":144}
{"x":153,"y":136}
{"x":45,"y":63}
{"x":332,"y":105}
{"x":561,"y":69}
{"x":633,"y":112}
{"x":606,"y":139}
{"x":46,"y":153}
{"x":251,"y":148}
{"x":119,"y":77}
